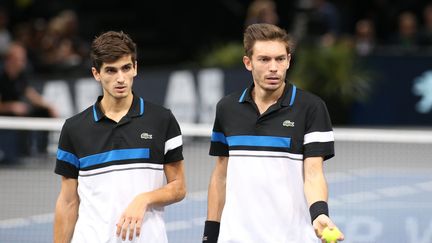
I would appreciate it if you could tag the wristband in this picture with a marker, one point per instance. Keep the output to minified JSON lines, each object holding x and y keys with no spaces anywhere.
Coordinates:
{"x":318,"y":208}
{"x":211,"y":232}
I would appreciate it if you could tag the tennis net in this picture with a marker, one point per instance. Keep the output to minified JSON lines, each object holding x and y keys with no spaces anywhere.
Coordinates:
{"x":380,"y":185}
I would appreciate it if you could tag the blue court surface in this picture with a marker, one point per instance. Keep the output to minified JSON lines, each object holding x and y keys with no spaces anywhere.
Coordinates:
{"x":368,"y":205}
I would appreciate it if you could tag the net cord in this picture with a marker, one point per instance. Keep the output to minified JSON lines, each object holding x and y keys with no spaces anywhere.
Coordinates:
{"x":386,"y":135}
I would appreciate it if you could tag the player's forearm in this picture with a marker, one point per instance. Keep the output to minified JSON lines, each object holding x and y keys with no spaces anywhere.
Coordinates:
{"x":171,"y":193}
{"x":176,"y":191}
{"x":216,"y":197}
{"x":315,"y":188}
{"x":315,"y":185}
{"x":66,"y":215}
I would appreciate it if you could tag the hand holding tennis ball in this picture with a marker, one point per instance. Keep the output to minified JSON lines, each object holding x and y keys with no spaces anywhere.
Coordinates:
{"x":331,"y":235}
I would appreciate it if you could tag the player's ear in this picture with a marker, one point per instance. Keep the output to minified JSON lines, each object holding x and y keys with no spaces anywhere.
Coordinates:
{"x":136,"y":68}
{"x":288,"y":60}
{"x":247,"y":62}
{"x":96,"y":74}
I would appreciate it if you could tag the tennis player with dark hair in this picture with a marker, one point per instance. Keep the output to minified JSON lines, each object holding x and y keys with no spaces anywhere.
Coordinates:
{"x":270,"y":141}
{"x":114,"y":157}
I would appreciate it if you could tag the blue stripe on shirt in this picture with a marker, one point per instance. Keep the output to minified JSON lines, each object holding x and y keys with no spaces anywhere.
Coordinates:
{"x":113,"y":155}
{"x":218,"y":137}
{"x":293,"y":95}
{"x":141,"y":106}
{"x":259,"y":141}
{"x":68,"y":157}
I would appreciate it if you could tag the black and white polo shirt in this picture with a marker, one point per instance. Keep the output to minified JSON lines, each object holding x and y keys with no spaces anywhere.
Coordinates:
{"x":114,"y":162}
{"x":265,"y":199}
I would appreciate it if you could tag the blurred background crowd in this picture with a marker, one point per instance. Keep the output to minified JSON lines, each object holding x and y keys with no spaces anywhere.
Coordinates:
{"x":57,"y":34}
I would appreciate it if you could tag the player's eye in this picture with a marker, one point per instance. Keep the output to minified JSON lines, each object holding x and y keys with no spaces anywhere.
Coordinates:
{"x":110,"y":70}
{"x":126,"y":68}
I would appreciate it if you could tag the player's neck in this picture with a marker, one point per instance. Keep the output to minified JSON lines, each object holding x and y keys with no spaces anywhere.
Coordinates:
{"x":114,"y":108}
{"x":265,"y":98}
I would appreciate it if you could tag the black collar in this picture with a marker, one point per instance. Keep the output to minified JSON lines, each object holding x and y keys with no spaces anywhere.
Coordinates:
{"x":136,"y":109}
{"x":287,"y":99}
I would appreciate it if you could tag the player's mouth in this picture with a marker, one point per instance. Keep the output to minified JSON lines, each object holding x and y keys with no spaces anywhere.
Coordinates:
{"x":273,"y":79}
{"x":120,"y":88}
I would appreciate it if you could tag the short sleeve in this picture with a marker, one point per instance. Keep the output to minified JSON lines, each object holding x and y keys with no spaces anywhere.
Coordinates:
{"x":218,"y":144}
{"x":174,"y":141}
{"x":67,"y":163}
{"x":319,"y":138}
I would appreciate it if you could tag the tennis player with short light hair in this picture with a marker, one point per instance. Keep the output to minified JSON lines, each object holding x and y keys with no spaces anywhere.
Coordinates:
{"x":115,"y":156}
{"x":270,"y":141}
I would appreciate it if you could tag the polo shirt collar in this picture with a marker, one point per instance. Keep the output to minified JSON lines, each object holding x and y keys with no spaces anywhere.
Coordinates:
{"x":287,"y":99}
{"x":136,"y":109}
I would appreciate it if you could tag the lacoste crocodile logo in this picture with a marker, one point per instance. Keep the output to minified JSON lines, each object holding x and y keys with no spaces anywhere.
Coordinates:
{"x":145,"y":135}
{"x":288,"y":123}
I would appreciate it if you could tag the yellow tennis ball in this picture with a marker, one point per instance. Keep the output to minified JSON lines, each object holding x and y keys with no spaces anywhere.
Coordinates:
{"x":331,"y":235}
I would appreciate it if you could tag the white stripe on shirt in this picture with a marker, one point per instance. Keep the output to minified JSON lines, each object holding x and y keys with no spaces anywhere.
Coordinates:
{"x":318,"y":137}
{"x":173,"y":143}
{"x":265,"y":154}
